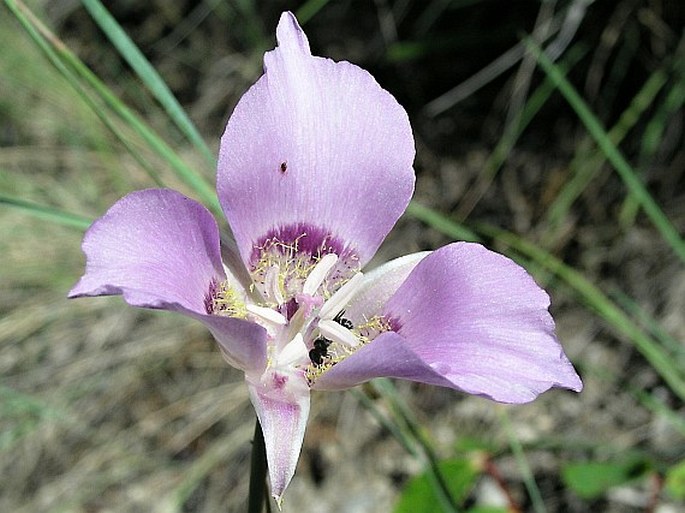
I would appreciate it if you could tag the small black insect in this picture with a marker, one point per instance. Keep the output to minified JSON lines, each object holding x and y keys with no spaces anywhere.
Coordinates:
{"x":284,"y":166}
{"x":320,"y":350}
{"x":343,"y":321}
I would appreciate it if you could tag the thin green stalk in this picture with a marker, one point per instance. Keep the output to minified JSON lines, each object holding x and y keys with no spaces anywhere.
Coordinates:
{"x":440,"y":222}
{"x":647,"y":399}
{"x":148,"y":75}
{"x":522,"y":462}
{"x":309,"y":9}
{"x":252,"y":26}
{"x":403,"y":415}
{"x":651,"y":139}
{"x":409,"y":437}
{"x":625,"y":171}
{"x":403,"y":438}
{"x":50,"y":48}
{"x":512,"y":132}
{"x":673,"y":346}
{"x":657,"y":406}
{"x":47,"y":213}
{"x":257,"y":491}
{"x":585,"y":169}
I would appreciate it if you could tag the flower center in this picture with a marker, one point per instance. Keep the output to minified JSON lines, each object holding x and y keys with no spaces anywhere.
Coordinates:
{"x":284,"y":259}
{"x":305,"y":278}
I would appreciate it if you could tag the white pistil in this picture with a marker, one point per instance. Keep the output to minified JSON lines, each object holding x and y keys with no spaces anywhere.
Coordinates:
{"x":343,"y":295}
{"x":334,"y":331}
{"x":296,"y":324}
{"x":293,"y":352}
{"x":319,"y":273}
{"x":272,"y":286}
{"x":267,"y":314}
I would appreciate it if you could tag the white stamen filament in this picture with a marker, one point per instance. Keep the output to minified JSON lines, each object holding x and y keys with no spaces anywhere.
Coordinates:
{"x":293,"y":352}
{"x":334,"y":331}
{"x":319,"y":273}
{"x":267,"y":314}
{"x":338,"y":300}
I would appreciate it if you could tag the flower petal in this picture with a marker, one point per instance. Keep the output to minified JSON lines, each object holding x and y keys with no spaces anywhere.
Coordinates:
{"x":160,"y":249}
{"x":315,"y":143}
{"x":242,"y":343}
{"x":388,"y":356}
{"x":371,"y":361}
{"x":481,"y":321}
{"x":157,"y":248}
{"x":282,"y":411}
{"x":470,"y":319}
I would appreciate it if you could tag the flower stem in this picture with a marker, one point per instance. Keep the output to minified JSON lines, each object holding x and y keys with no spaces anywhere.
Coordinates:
{"x":257,"y":494}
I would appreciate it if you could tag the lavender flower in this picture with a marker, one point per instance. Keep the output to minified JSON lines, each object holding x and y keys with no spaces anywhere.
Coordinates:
{"x":315,"y":168}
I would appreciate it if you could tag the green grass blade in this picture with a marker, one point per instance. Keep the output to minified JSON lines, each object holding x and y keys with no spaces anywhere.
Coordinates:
{"x":653,"y":135}
{"x":658,"y":406}
{"x":252,"y":23}
{"x":402,"y":415}
{"x":33,"y":28}
{"x":309,"y":9}
{"x":441,"y":223}
{"x":148,"y":75}
{"x":47,"y":213}
{"x":587,"y":168}
{"x":676,"y":347}
{"x":522,"y":463}
{"x":78,"y":74}
{"x":511,"y":134}
{"x":398,"y":419}
{"x":405,"y":440}
{"x":599,"y":134}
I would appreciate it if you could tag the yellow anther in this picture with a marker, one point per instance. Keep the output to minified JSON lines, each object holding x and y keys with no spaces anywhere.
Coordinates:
{"x":227,"y":302}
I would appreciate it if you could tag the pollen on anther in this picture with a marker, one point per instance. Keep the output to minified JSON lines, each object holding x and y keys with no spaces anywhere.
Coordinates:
{"x":223,"y":300}
{"x":295,"y":252}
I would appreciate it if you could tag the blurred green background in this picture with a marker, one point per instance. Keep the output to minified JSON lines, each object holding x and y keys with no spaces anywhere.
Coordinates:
{"x":571,"y":161}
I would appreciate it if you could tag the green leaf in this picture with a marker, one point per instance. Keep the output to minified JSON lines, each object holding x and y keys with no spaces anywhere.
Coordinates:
{"x":419,"y":496}
{"x":591,"y":479}
{"x":471,"y":443}
{"x":675,"y":480}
